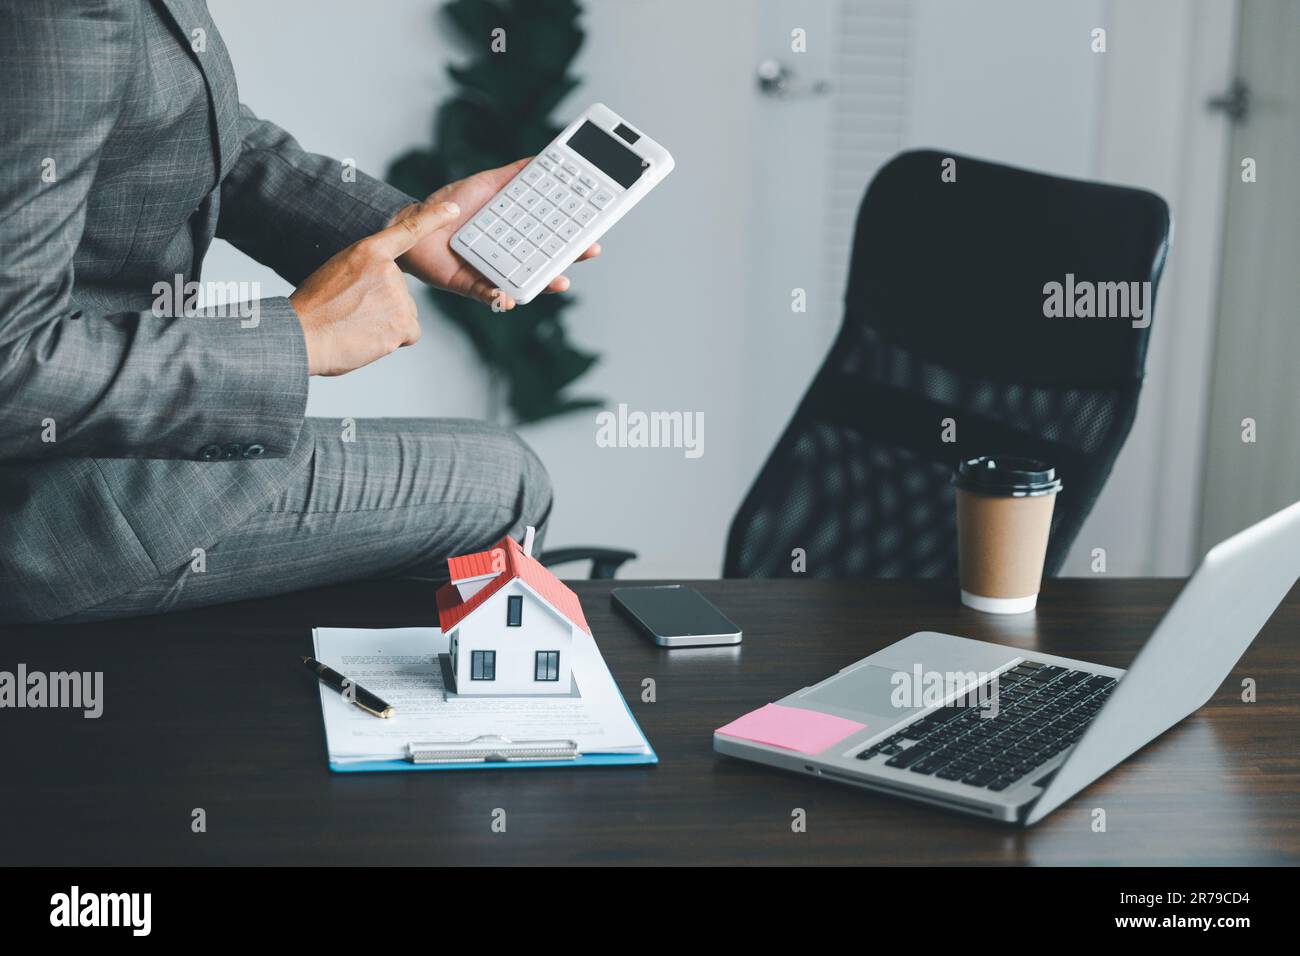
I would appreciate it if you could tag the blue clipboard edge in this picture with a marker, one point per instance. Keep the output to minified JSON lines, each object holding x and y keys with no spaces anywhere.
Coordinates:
{"x":586,"y":760}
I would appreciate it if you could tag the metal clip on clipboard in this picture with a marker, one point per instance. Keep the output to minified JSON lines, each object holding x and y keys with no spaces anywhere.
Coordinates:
{"x":491,"y":749}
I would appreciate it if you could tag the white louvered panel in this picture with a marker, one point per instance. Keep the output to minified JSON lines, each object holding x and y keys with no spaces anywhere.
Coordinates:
{"x":869,"y":91}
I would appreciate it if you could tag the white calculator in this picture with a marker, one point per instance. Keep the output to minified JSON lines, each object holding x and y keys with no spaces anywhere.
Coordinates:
{"x":564,"y":200}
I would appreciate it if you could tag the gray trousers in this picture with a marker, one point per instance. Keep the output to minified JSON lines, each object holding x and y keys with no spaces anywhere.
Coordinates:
{"x":397,"y":501}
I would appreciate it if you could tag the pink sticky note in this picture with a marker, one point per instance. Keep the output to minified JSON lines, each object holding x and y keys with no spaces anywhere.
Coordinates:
{"x":792,"y":728}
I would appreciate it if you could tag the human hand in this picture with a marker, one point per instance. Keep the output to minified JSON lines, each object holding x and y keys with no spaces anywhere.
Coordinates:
{"x":432,"y":260}
{"x":356,"y":307}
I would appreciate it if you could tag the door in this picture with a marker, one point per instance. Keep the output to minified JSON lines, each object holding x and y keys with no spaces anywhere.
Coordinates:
{"x":1252,"y":462}
{"x":829,"y":85}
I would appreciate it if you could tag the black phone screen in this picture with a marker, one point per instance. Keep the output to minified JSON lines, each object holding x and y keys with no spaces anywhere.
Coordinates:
{"x":674,"y":611}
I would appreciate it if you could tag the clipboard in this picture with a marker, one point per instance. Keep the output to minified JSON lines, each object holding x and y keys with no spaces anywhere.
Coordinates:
{"x":492,"y":752}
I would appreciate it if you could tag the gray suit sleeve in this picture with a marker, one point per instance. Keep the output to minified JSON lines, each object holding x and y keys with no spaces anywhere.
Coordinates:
{"x":89,"y":384}
{"x":290,"y":209}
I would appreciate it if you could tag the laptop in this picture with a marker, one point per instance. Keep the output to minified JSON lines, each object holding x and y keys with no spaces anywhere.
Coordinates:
{"x":1010,"y":735}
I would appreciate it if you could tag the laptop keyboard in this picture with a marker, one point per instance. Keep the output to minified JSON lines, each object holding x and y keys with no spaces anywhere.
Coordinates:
{"x":1042,"y":710}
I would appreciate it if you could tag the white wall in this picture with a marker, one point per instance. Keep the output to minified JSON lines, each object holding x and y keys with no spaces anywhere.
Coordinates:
{"x":1167,"y":58}
{"x":666,"y":304}
{"x":1012,"y":81}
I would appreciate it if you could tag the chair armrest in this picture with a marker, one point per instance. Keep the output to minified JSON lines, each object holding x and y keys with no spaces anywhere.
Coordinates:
{"x":605,"y":562}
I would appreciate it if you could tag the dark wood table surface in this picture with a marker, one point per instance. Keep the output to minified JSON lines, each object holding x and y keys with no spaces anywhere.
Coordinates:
{"x":211,"y":709}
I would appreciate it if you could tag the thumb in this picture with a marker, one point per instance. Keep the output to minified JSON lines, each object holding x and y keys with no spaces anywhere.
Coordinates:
{"x":411,"y":228}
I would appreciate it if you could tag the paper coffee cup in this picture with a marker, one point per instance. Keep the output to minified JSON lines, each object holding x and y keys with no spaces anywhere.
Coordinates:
{"x":1004,"y":515}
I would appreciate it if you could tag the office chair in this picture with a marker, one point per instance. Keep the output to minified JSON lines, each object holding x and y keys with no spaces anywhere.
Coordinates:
{"x":605,"y":562}
{"x":944,"y":336}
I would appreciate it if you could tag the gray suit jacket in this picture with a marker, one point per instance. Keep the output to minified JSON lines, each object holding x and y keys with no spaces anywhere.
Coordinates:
{"x":127,"y":439}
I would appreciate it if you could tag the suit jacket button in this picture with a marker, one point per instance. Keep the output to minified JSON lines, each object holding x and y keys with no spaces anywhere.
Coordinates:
{"x":255,"y":451}
{"x":232,"y":451}
{"x":209,"y":453}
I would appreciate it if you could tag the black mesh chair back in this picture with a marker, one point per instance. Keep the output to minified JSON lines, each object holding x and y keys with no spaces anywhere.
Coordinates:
{"x":945,"y":353}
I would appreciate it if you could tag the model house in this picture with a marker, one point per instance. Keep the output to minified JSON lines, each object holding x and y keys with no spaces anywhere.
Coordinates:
{"x":509,"y":621}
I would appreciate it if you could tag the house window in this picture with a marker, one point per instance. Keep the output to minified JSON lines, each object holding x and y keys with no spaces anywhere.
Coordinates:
{"x":514,"y":611}
{"x":482,"y":665}
{"x":547,"y":666}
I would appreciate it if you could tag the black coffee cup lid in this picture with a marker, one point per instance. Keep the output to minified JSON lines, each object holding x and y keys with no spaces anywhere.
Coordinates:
{"x":1006,"y":475}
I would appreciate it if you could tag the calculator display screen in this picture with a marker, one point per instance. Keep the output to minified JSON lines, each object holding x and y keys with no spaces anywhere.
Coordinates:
{"x":607,"y":154}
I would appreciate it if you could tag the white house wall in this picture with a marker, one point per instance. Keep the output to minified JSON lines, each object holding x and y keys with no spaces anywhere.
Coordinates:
{"x":516,"y":647}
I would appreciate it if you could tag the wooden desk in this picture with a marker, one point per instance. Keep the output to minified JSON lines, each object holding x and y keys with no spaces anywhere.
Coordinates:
{"x":212,"y":709}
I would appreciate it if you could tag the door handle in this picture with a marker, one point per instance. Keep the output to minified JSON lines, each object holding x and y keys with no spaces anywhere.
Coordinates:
{"x":779,"y":81}
{"x":1234,"y":103}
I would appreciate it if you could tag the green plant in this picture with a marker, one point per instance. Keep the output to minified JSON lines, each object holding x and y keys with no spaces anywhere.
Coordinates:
{"x":499,"y":112}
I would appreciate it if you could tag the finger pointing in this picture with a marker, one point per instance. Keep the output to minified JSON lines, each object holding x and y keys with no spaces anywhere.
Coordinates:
{"x":423,"y":219}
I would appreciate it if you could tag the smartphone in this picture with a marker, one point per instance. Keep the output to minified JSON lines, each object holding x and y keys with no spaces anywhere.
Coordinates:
{"x":675,"y":616}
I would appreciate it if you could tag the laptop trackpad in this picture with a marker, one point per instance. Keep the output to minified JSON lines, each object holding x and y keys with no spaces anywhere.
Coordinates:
{"x":865,"y":693}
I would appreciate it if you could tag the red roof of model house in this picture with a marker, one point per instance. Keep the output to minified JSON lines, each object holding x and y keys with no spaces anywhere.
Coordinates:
{"x":502,"y":564}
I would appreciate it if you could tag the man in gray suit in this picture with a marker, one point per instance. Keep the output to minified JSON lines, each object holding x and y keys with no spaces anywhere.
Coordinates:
{"x":153,"y":458}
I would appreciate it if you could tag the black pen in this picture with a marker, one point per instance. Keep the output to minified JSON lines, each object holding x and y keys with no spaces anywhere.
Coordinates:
{"x":348,"y":688}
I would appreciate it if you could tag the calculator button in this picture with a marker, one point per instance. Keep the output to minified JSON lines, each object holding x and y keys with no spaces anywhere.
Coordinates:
{"x":484,"y":220}
{"x":546,"y":164}
{"x":545,"y":185}
{"x":556,"y":221}
{"x":531,"y":200}
{"x":521,"y":275}
{"x":558,"y":196}
{"x":516,"y":189}
{"x":563,"y":177}
{"x":571,"y":169}
{"x":554,"y":156}
{"x":571,"y":206}
{"x":513,"y":214}
{"x":531,"y":174}
{"x":541,"y":237}
{"x":587,"y":180}
{"x":500,"y":205}
{"x":587,"y":213}
{"x":553,"y":246}
{"x":543,"y":210}
{"x":511,"y":239}
{"x":580,"y":190}
{"x":498,"y":258}
{"x":528,"y":225}
{"x":527,"y":270}
{"x":602,"y":198}
{"x":569,"y":230}
{"x":470,"y":235}
{"x":499,"y":229}
{"x":524,"y":251}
